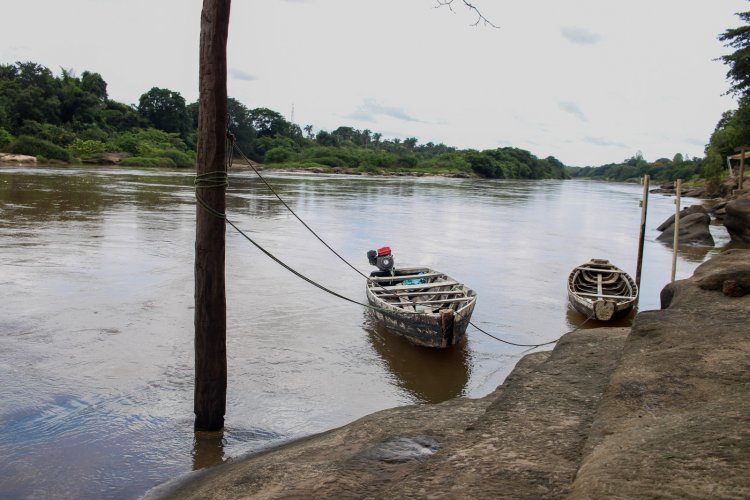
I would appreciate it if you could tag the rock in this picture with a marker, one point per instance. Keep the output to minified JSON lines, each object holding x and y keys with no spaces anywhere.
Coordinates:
{"x":524,"y":440}
{"x":731,"y":288}
{"x":663,"y":412}
{"x":737,"y":220}
{"x":105,"y":158}
{"x":693,"y":229}
{"x":674,"y":420}
{"x":692,"y":209}
{"x":699,"y":192}
{"x":731,"y":265}
{"x":11,"y":158}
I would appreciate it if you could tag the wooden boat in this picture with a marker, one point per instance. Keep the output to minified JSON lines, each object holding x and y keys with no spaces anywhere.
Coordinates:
{"x":602,"y":291}
{"x":424,"y":306}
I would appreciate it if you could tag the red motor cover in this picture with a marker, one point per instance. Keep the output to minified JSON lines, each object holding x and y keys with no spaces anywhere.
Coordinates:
{"x":382,"y":252}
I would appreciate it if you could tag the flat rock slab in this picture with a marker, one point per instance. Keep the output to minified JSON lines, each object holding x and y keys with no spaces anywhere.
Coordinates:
{"x":525,"y":440}
{"x":675,"y":419}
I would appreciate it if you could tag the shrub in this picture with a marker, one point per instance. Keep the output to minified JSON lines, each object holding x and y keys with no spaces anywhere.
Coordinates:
{"x":331,"y":161}
{"x":86,"y":148}
{"x":278,"y":155}
{"x":179,"y":158}
{"x":27,"y":145}
{"x":140,"y":161}
{"x":5,"y":139}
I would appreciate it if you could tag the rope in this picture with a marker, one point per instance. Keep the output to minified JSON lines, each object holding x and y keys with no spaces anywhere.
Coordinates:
{"x":247,"y":160}
{"x":218,"y":179}
{"x":533,"y":345}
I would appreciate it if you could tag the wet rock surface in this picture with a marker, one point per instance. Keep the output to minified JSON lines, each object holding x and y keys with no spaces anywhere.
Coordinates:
{"x":674,"y":421}
{"x":693,"y":229}
{"x":659,"y":410}
{"x":737,"y":219}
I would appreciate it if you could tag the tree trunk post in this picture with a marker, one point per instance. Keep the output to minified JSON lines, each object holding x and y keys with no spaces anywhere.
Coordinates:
{"x":210,"y":230}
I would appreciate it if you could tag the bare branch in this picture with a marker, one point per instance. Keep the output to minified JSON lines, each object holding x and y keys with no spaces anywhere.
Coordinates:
{"x":471,"y":7}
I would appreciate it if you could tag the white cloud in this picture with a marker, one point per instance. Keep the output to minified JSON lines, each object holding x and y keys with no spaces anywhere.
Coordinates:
{"x":580,"y":36}
{"x":573,"y":109}
{"x":405,"y":69}
{"x":370,"y":109}
{"x":238,"y":74}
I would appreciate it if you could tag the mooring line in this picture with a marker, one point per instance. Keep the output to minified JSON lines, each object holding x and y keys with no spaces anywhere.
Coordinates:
{"x":218,"y":179}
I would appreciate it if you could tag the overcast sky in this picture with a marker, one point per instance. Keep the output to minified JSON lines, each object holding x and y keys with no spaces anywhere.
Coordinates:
{"x":587,"y":81}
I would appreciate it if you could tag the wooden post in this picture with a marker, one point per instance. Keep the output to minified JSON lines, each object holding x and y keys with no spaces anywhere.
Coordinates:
{"x":742,"y":150}
{"x":642,"y":237}
{"x":676,"y":238}
{"x":210,"y":230}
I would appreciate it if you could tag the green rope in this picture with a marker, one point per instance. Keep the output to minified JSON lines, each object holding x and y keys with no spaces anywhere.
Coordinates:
{"x":210,"y":180}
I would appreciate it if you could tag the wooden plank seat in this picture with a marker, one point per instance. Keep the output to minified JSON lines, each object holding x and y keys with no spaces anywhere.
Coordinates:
{"x":405,"y":277}
{"x":627,"y":297}
{"x":423,"y":286}
{"x":387,"y":293}
{"x":428,"y":302}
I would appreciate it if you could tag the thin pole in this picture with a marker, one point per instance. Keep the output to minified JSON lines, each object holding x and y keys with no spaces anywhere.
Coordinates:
{"x":210,"y":231}
{"x":742,"y":169}
{"x":676,"y":228}
{"x":641,"y":239}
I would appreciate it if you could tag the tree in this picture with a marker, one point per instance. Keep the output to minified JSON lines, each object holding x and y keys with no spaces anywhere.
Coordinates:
{"x":241,"y":124}
{"x":268,"y":122}
{"x":739,"y":60}
{"x":165,"y":110}
{"x":94,"y":84}
{"x":309,"y":131}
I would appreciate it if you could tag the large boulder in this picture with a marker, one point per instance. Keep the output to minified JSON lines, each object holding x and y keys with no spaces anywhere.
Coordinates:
{"x":693,"y":229}
{"x":737,"y":220}
{"x":692,"y":209}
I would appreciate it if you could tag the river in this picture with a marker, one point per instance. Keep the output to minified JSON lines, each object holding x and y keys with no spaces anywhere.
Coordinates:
{"x":96,"y":287}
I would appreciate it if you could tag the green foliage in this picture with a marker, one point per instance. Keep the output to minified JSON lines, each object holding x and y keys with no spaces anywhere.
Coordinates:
{"x":240,"y":124}
{"x":140,"y":161}
{"x":76,"y":114}
{"x":52,"y":133}
{"x":153,"y":144}
{"x":483,"y":165}
{"x":86,"y":148}
{"x":166,"y":111}
{"x":33,"y":146}
{"x":632,"y":169}
{"x":447,"y":162}
{"x":279,"y":155}
{"x":5,"y":139}
{"x":738,"y":61}
{"x":713,"y":167}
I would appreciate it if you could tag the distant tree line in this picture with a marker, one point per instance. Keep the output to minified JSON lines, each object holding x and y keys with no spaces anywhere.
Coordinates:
{"x":632,"y":169}
{"x":68,"y":118}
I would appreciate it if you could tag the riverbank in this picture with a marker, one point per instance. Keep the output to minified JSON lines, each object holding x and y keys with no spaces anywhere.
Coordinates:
{"x":662,"y":408}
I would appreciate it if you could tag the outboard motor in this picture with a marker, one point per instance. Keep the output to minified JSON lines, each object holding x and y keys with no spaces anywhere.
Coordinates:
{"x":382,"y":258}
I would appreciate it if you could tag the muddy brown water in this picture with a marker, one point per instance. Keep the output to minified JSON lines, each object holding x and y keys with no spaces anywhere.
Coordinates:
{"x":96,"y":287}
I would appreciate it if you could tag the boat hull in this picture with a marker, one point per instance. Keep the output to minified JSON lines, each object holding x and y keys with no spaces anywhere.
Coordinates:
{"x":601,"y":291}
{"x":439,"y":328}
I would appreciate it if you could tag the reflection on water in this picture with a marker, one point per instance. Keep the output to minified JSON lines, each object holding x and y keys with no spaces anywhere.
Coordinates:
{"x":96,"y":285}
{"x":208,"y":449}
{"x":430,"y":375}
{"x":578,"y":321}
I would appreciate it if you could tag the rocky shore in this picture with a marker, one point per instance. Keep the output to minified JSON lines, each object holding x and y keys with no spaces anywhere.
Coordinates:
{"x":661,"y":410}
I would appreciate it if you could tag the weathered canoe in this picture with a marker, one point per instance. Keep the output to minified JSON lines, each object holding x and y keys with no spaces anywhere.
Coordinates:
{"x":422,"y":305}
{"x":601,"y":291}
